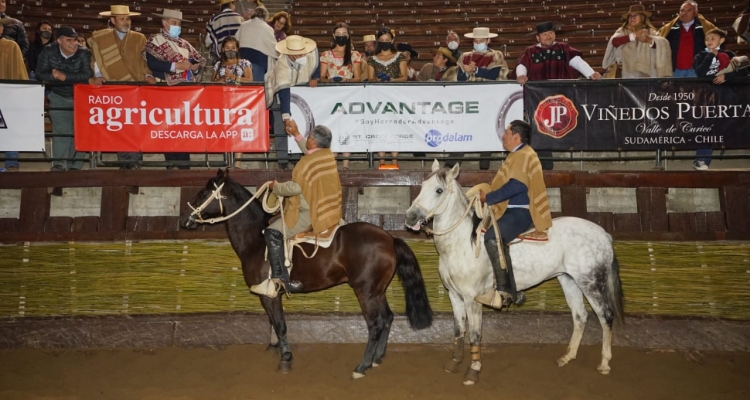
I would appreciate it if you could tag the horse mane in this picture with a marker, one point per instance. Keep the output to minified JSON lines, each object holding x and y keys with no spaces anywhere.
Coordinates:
{"x":441,"y":176}
{"x":240,"y":194}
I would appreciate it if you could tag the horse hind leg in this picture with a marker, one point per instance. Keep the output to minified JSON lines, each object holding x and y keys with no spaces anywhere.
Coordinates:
{"x":574,"y":298}
{"x":604,"y":299}
{"x":459,"y":331}
{"x":376,"y":324}
{"x":383,"y":341}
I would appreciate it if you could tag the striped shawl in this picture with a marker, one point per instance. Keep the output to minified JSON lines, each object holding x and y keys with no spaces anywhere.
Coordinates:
{"x":318,"y":177}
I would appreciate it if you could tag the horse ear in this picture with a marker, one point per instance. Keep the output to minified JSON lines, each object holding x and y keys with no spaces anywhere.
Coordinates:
{"x":220,"y":173}
{"x":435,"y":165}
{"x":453,"y":173}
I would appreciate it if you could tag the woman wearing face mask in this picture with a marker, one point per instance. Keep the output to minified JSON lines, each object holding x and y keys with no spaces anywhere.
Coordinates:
{"x":387,"y":65}
{"x":43,"y":37}
{"x":232,"y":69}
{"x":341,"y":64}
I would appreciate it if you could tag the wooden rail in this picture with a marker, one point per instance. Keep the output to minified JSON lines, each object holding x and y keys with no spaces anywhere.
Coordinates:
{"x":652,"y":221}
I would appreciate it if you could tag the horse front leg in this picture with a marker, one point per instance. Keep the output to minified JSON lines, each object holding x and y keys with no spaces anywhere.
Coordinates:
{"x":474,"y":317}
{"x":459,"y":332}
{"x":278,"y":324}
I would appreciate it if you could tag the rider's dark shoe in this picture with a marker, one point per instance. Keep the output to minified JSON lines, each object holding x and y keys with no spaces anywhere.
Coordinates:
{"x":279,"y":274}
{"x":505,"y":293}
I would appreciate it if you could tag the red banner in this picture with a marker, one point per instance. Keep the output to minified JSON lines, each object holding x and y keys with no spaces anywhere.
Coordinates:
{"x":194,"y":119}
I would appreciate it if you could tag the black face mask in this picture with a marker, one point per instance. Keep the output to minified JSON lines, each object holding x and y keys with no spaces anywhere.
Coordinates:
{"x":46,"y":34}
{"x":341,"y":40}
{"x":383,"y":46}
{"x":230,"y":54}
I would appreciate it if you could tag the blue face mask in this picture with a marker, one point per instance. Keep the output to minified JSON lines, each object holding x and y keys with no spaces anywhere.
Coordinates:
{"x":480,"y":47}
{"x":174,"y":30}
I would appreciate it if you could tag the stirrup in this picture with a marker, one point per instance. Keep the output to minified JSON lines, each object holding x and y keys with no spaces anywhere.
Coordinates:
{"x":269,"y":287}
{"x":495,"y":299}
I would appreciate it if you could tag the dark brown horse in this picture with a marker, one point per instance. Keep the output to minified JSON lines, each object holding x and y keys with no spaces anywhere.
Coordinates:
{"x":362,"y":255}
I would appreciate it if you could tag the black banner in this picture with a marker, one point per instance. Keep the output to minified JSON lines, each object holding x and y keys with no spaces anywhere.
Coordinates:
{"x":643,"y":114}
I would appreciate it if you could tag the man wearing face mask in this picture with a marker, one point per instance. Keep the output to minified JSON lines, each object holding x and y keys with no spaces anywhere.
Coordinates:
{"x":64,"y":61}
{"x":173,"y":60}
{"x":481,"y":64}
{"x":549,"y":59}
{"x":298,"y":64}
{"x":451,"y":42}
{"x":116,"y":56}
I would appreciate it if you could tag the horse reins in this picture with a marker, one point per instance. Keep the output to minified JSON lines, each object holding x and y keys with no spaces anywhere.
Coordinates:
{"x":216,"y":195}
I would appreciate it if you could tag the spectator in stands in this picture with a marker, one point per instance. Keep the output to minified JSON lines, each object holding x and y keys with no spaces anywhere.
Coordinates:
{"x":42,"y":37}
{"x":281,"y":24}
{"x":451,"y":42}
{"x":742,"y":25}
{"x":387,"y":65}
{"x":222,"y":25}
{"x":298,"y":64}
{"x":442,"y":68}
{"x":409,"y":53}
{"x":636,"y":48}
{"x":368,"y":45}
{"x":549,"y":59}
{"x":12,"y":67}
{"x":64,"y":61}
{"x":117,"y":57}
{"x":14,"y":30}
{"x":713,"y":62}
{"x":173,"y":60}
{"x":257,"y":44}
{"x":482,"y":63}
{"x":232,"y":69}
{"x":686,"y":36}
{"x":341,"y":64}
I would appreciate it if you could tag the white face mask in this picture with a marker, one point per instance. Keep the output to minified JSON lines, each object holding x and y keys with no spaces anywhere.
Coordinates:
{"x":453,"y":45}
{"x":302,"y":61}
{"x":480,"y":47}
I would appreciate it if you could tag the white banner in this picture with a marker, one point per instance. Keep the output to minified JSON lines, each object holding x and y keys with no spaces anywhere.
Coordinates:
{"x":21,"y":117}
{"x":419,"y":118}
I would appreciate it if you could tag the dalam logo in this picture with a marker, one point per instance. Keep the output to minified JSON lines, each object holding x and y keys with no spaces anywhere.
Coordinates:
{"x":3,"y":125}
{"x":556,"y":116}
{"x":434,"y":138}
{"x":247,"y":134}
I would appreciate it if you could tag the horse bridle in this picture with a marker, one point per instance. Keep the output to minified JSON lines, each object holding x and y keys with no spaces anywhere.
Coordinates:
{"x":215,"y":195}
{"x":434,"y":211}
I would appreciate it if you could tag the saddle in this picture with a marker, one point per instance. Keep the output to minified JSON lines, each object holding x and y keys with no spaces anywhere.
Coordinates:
{"x":531,"y":235}
{"x":322,"y":239}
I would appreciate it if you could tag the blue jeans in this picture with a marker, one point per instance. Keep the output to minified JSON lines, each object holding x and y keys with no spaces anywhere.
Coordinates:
{"x":11,"y":159}
{"x":704,"y":155}
{"x":514,"y":222}
{"x":684,"y":73}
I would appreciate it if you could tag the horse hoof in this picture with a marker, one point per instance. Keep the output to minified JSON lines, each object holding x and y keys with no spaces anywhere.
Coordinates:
{"x":562,"y":361}
{"x":471,"y":377}
{"x":375,"y":365}
{"x":604,"y":370}
{"x":357,"y":375}
{"x":452,"y":366}
{"x":285,"y":366}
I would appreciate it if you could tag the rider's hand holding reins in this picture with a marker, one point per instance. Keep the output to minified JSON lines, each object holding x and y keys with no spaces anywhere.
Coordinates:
{"x":482,"y":196}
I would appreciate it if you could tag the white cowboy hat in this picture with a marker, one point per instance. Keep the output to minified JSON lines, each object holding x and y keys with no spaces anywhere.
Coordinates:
{"x":118,"y":10}
{"x":222,"y":2}
{"x":295,"y":45}
{"x":480,"y":33}
{"x":173,"y":14}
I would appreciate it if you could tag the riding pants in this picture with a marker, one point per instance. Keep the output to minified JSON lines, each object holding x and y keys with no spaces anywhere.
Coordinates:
{"x":514,"y":222}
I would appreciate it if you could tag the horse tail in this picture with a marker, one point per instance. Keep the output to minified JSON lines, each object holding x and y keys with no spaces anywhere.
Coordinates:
{"x":613,"y":294}
{"x":418,"y":310}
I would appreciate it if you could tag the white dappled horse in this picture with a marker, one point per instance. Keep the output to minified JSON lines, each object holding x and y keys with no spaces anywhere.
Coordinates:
{"x":579,"y":254}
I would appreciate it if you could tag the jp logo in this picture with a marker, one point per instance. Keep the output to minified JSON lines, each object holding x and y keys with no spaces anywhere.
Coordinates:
{"x":433,"y":138}
{"x":556,"y":116}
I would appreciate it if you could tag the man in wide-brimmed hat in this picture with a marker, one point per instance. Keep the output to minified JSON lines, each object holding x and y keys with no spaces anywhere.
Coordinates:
{"x":174,"y":60}
{"x":222,"y":25}
{"x":368,"y":45}
{"x":550,"y":59}
{"x":636,"y":48}
{"x":442,"y":68}
{"x":116,"y":53}
{"x":297,"y":65}
{"x":482,"y":63}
